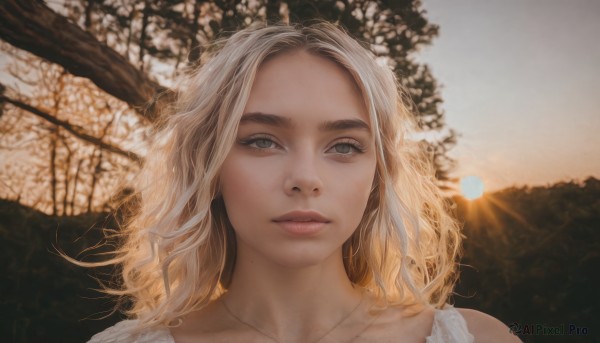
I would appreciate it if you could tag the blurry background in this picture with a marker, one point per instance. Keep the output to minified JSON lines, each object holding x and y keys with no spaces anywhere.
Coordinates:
{"x":505,"y":92}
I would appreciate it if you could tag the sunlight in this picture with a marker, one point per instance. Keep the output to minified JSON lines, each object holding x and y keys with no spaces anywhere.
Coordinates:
{"x":471,"y":187}
{"x":482,"y":211}
{"x":504,"y":207}
{"x":491,"y":212}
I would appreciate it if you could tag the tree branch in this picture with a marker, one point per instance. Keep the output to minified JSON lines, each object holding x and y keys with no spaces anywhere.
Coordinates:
{"x":32,"y":26}
{"x":73,"y":129}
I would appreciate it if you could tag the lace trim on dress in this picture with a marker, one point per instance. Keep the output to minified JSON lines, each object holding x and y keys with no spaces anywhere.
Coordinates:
{"x":121,"y":333}
{"x":449,"y":326}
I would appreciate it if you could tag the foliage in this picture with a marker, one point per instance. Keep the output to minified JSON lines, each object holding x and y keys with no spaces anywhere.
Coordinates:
{"x":531,"y":255}
{"x":44,"y":297}
{"x":50,"y":168}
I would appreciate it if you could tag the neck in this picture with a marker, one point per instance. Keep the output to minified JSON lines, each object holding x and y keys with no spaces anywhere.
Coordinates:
{"x":291,"y":303}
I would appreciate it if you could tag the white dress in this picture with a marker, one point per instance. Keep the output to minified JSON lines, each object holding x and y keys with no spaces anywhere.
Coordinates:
{"x":449,"y":326}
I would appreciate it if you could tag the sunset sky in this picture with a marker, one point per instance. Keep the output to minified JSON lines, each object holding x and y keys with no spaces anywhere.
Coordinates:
{"x":521,"y":84}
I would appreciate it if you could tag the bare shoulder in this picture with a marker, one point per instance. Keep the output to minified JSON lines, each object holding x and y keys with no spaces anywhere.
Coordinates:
{"x":486,"y":328}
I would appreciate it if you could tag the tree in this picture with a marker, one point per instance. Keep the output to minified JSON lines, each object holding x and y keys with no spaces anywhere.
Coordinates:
{"x":133,"y":50}
{"x":73,"y":161}
{"x":531,"y":256}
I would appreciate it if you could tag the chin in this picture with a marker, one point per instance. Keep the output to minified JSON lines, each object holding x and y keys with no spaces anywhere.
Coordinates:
{"x":300,"y":256}
{"x":298,"y":262}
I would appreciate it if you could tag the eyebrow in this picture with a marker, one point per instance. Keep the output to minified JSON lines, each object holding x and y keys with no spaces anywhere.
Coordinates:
{"x":267,"y":119}
{"x":279,"y":121}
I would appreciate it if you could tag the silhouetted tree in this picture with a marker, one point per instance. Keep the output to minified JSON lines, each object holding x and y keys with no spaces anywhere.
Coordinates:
{"x":531,"y":256}
{"x":133,"y":50}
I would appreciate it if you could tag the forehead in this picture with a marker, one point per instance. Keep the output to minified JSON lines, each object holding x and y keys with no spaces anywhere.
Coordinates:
{"x":302,"y":86}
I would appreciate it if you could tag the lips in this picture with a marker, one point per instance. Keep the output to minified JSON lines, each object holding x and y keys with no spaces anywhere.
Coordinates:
{"x":307,"y":224}
{"x":302,"y":216}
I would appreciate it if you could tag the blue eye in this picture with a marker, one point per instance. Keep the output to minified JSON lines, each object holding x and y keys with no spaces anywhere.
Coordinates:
{"x":348,"y":148}
{"x":263,"y":143}
{"x":258,"y":143}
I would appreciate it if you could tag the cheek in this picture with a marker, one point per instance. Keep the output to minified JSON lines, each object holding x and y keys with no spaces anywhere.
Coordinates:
{"x":352,"y":190}
{"x":243,"y":188}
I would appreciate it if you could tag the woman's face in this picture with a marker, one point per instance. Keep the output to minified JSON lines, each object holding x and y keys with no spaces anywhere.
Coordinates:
{"x":297,"y":180}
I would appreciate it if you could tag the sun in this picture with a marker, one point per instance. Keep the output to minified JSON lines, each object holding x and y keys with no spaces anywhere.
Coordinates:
{"x":471,"y":187}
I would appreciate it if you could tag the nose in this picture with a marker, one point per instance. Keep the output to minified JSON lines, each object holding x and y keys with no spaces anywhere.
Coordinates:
{"x":303,"y":176}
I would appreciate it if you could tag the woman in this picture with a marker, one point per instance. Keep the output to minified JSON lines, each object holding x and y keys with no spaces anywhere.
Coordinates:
{"x":282,"y":202}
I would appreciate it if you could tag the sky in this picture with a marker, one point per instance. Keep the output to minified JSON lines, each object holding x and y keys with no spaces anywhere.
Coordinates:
{"x":521,"y":85}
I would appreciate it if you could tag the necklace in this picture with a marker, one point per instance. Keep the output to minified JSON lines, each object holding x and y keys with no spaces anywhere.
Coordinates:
{"x":275,"y":339}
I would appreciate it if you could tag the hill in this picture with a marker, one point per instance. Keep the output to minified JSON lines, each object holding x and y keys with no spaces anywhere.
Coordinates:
{"x":531,"y":257}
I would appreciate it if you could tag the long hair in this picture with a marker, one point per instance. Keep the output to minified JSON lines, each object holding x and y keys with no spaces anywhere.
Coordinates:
{"x":178,"y":251}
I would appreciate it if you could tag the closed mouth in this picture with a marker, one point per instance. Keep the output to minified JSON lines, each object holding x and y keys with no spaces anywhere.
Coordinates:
{"x":302,"y":217}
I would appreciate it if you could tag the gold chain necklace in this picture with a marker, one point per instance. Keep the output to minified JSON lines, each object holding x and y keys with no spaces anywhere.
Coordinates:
{"x":275,"y":339}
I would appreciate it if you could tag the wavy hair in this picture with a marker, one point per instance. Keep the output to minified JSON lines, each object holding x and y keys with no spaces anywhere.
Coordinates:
{"x":177,"y":252}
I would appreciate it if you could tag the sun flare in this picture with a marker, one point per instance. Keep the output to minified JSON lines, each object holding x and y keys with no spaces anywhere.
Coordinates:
{"x":471,"y":187}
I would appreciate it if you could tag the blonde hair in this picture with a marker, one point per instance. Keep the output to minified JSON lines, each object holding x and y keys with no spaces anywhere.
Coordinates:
{"x":178,"y":251}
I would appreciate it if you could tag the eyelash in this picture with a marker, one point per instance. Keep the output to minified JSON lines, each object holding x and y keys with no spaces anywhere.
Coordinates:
{"x":354,"y":145}
{"x":249,"y":141}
